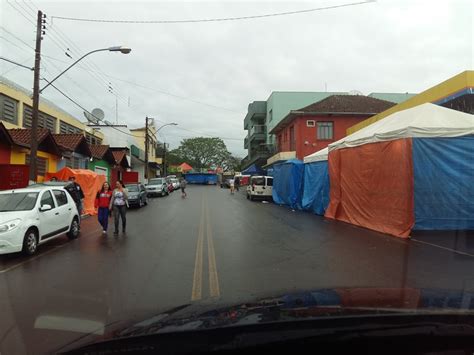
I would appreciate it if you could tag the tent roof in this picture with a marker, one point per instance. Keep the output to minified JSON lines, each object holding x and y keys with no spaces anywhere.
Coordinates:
{"x":185,"y":167}
{"x":320,"y":155}
{"x":253,"y":169}
{"x":426,"y":120}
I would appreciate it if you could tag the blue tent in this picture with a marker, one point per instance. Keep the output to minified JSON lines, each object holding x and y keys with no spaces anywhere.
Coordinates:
{"x":443,"y":170}
{"x":254,"y":170}
{"x":288,"y":183}
{"x":316,"y":187}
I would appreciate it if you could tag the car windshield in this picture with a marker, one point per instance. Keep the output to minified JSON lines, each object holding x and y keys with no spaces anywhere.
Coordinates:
{"x":286,"y":158}
{"x":18,"y":201}
{"x":155,"y":181}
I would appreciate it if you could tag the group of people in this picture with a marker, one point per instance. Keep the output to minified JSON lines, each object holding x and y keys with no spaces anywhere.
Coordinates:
{"x":114,"y":202}
{"x":108,"y":202}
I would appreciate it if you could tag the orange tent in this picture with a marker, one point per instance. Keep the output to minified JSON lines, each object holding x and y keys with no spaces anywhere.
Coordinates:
{"x":90,"y":182}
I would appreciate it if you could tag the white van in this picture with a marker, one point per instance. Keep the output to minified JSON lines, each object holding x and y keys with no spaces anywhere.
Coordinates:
{"x":260,"y":187}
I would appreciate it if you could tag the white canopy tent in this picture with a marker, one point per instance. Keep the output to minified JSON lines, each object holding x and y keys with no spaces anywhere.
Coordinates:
{"x":423,"y":121}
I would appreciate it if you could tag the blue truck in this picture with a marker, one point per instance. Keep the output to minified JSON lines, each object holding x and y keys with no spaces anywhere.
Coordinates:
{"x":201,"y":178}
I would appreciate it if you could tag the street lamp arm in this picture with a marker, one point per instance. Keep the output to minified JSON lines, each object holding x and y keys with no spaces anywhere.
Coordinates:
{"x":69,"y":67}
{"x":168,"y":124}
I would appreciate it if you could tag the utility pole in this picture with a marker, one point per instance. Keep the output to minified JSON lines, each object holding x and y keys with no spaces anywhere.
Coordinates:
{"x":36,"y":88}
{"x":146,"y":147}
{"x":164,"y":159}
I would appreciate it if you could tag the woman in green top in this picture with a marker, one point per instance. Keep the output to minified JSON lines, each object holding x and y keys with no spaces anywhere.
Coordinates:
{"x":119,"y":204}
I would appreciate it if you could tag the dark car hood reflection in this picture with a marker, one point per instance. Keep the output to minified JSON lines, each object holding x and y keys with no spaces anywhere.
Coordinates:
{"x":305,"y":305}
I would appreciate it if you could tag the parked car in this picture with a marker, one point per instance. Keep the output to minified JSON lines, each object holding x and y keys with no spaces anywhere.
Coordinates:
{"x":35,"y":215}
{"x":137,"y":195}
{"x":260,"y":187}
{"x":175,"y":183}
{"x":157,"y":187}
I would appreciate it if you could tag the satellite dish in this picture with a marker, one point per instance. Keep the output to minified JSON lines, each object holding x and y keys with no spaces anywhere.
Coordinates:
{"x":96,"y":116}
{"x":355,"y":92}
{"x":107,"y":123}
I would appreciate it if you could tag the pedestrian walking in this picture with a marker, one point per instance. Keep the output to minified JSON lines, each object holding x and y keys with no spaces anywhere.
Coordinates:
{"x":232,"y":186}
{"x":119,"y":205}
{"x":237,"y":183}
{"x":75,"y":190}
{"x":102,"y":202}
{"x":182,"y":184}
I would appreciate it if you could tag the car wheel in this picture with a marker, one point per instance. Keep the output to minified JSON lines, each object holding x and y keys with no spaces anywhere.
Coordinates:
{"x":30,"y":242}
{"x":74,"y":230}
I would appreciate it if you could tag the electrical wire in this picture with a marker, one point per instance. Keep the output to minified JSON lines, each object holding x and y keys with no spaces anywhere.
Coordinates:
{"x":61,"y":43}
{"x":222,"y":19}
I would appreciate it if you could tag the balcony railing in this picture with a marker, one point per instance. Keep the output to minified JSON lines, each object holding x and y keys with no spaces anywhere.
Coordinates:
{"x":258,"y":131}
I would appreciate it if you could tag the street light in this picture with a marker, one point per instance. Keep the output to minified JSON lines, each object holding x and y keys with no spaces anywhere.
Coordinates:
{"x":164,"y":146}
{"x":37,"y":91}
{"x":121,"y":49}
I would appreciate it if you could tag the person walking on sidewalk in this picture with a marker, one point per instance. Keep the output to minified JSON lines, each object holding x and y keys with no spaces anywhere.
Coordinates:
{"x":182,"y":184}
{"x":232,"y":184}
{"x":237,"y":183}
{"x":119,"y":204}
{"x":76,"y":193}
{"x":102,"y":202}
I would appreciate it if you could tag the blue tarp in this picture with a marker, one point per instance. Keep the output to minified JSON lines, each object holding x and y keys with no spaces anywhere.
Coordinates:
{"x":201,"y":178}
{"x":443,"y":170}
{"x":254,"y":170}
{"x":316,"y":187}
{"x":288,"y":183}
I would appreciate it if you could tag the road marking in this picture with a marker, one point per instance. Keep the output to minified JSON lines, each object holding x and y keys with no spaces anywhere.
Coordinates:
{"x":444,"y":248}
{"x":213,"y":276}
{"x":43,"y":254}
{"x":197,"y":280}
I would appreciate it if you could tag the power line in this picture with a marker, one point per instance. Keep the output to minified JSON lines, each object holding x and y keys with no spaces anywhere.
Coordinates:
{"x":17,"y":38}
{"x":222,"y":19}
{"x":62,"y":44}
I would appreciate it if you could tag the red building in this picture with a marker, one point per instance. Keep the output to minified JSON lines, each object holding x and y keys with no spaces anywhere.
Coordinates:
{"x":314,"y":127}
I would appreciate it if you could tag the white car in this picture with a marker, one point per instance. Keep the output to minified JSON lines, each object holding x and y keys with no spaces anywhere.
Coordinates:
{"x":35,"y":215}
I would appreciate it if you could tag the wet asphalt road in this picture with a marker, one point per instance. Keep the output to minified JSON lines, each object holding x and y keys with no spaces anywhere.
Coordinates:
{"x":210,"y":246}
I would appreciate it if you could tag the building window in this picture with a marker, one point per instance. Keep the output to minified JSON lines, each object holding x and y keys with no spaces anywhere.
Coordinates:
{"x":8,"y":109}
{"x":65,"y":128}
{"x":75,"y":162}
{"x":310,"y":123}
{"x":325,"y":130}
{"x":44,"y":120}
{"x":270,"y":115}
{"x":93,"y":140}
{"x":41,"y":165}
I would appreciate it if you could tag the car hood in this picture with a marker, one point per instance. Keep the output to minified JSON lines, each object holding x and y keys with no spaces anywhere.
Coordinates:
{"x":304,"y":305}
{"x":8,"y":216}
{"x":133,"y":194}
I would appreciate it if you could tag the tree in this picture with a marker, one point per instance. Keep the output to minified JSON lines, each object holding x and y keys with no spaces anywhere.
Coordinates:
{"x":203,"y":152}
{"x":233,"y":163}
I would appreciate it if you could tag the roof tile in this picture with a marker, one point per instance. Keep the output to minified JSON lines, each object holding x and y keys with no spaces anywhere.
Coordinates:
{"x":348,"y":104}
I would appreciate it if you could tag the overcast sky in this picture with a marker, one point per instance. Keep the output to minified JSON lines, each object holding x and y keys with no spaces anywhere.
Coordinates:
{"x":203,"y":75}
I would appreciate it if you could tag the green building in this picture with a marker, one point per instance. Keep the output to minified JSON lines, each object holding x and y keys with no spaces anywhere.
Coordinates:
{"x":102,"y":161}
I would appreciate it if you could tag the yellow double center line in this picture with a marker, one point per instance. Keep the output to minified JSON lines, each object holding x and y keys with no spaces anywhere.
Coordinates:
{"x":204,"y":223}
